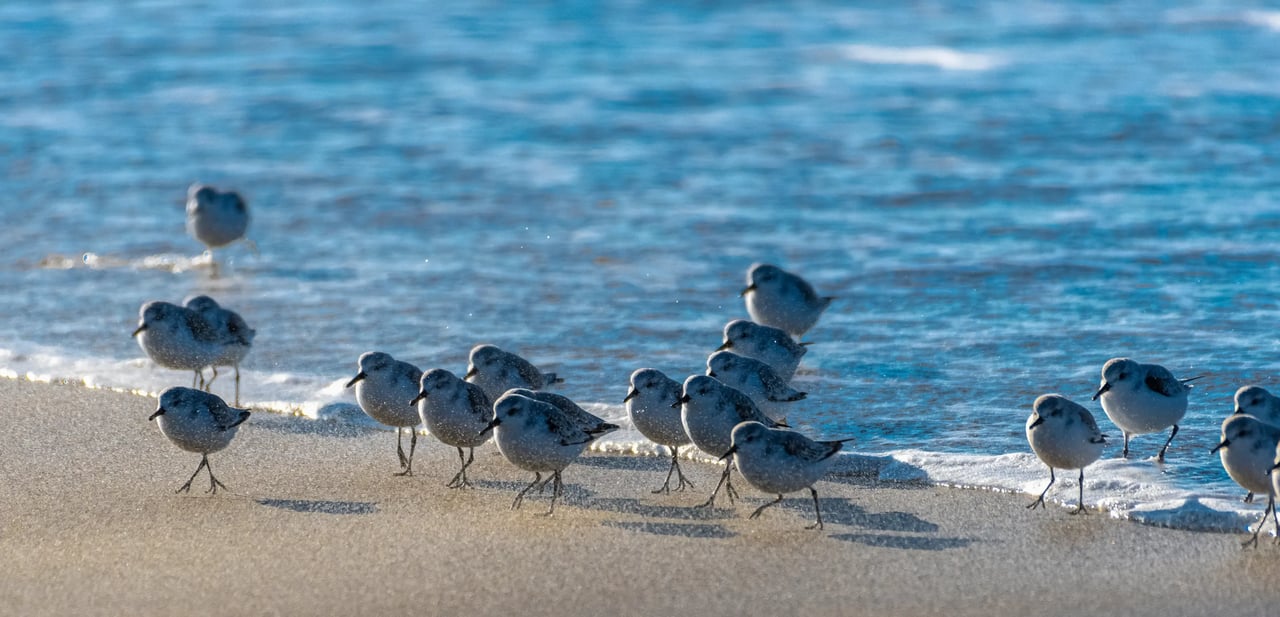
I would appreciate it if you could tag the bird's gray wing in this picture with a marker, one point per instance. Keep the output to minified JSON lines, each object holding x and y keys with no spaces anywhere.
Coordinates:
{"x":479,"y":402}
{"x":239,"y":330}
{"x":225,"y":416}
{"x":1161,"y":381}
{"x":806,"y":449}
{"x":565,"y":428}
{"x":775,"y":387}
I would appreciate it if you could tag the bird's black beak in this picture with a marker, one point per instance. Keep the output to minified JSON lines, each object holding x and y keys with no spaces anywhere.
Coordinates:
{"x":750,"y":288}
{"x":488,"y":427}
{"x":1038,"y":421}
{"x":1225,"y":443}
{"x":732,"y":450}
{"x":726,"y":345}
{"x":1101,"y":391}
{"x":421,"y":395}
{"x":632,"y":394}
{"x":471,"y":372}
{"x":711,"y":373}
{"x":356,"y":379}
{"x":159,"y":412}
{"x":139,"y":330}
{"x":1239,"y":409}
{"x":680,"y":401}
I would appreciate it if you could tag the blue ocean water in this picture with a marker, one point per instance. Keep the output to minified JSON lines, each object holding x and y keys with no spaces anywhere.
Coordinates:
{"x":1002,"y":196}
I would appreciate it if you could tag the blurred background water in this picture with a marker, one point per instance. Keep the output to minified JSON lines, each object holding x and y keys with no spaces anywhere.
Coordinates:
{"x":1002,"y":195}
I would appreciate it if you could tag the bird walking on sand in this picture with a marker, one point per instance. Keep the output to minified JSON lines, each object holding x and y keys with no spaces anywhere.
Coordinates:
{"x":1063,"y":435}
{"x":539,"y":437}
{"x":654,"y":409}
{"x":198,"y":422}
{"x":709,"y":410}
{"x":455,"y":412}
{"x":384,"y":387}
{"x":783,"y":300}
{"x":1142,"y":398}
{"x":779,"y":461}
{"x":1248,"y":453}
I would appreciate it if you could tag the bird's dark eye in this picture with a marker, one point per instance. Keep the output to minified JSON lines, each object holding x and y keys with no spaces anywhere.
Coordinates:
{"x":1122,"y":376}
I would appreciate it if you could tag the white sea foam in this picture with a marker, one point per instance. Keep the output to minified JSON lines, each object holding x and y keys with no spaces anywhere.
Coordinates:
{"x":938,"y":57}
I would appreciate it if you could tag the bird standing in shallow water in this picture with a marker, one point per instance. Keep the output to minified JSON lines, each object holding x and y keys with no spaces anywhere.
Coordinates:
{"x":1142,"y":398}
{"x":780,"y":299}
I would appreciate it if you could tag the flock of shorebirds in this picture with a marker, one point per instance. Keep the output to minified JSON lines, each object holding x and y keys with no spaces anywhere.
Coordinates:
{"x":736,"y":411}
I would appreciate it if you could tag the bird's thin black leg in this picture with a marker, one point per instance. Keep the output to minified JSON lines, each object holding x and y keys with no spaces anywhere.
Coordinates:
{"x":413,"y":444}
{"x":816,"y":508}
{"x":1160,"y":457}
{"x":757,"y":512}
{"x":1080,"y":508}
{"x":1040,"y":500}
{"x":204,"y":461}
{"x":537,"y":477}
{"x":712,"y":499}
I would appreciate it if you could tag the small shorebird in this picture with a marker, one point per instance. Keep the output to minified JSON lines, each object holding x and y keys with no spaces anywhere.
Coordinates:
{"x":783,"y":300}
{"x":497,"y":371}
{"x":779,"y":461}
{"x":384,"y":387}
{"x":654,"y":409}
{"x":198,"y":422}
{"x":1142,"y":398}
{"x":1063,"y":435}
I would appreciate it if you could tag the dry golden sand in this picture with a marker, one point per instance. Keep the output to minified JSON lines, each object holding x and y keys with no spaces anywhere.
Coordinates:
{"x":316,"y":524}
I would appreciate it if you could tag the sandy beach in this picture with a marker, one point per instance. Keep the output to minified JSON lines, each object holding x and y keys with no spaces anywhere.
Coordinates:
{"x":315,"y":523}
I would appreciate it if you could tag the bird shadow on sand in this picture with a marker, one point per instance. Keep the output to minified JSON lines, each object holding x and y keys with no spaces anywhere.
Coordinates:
{"x":313,"y":506}
{"x":667,"y":528}
{"x":629,"y":505}
{"x":626,"y":463}
{"x":912,"y":543}
{"x":301,"y":426}
{"x":840,"y":511}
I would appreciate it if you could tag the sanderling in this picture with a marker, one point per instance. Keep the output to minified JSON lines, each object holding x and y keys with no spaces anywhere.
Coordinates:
{"x":1248,"y":452}
{"x":178,"y":338}
{"x":538,"y":437}
{"x":653,"y":406}
{"x":585,"y":420}
{"x":780,"y":461}
{"x":1142,"y":398}
{"x":756,"y":380}
{"x":1063,"y":435}
{"x":497,"y":371}
{"x":384,"y":387}
{"x":215,"y":218}
{"x":455,"y":412}
{"x":709,"y":410}
{"x":1261,"y":404}
{"x":767,"y":344}
{"x":234,"y":335}
{"x":198,"y":422}
{"x":783,"y":300}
